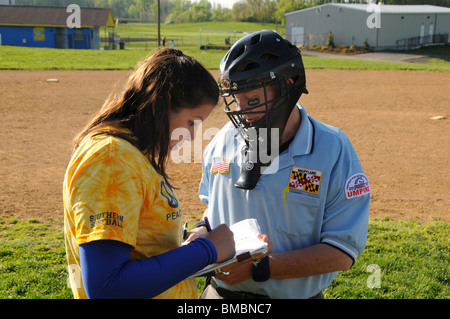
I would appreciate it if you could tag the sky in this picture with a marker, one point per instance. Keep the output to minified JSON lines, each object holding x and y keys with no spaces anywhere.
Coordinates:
{"x":224,"y":3}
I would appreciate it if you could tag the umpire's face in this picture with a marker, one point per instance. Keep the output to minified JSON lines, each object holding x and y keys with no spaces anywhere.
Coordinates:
{"x":255,"y":102}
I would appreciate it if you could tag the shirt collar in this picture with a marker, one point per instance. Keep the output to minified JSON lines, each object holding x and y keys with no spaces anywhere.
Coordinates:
{"x":304,"y":138}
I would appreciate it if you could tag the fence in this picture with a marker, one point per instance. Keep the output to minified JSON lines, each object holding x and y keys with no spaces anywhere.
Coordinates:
{"x":147,"y":42}
{"x":218,"y":39}
{"x":308,"y":39}
{"x":417,"y":42}
{"x":204,"y":39}
{"x":318,"y":39}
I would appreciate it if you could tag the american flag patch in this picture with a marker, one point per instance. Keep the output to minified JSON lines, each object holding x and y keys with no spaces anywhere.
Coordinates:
{"x":220,"y":165}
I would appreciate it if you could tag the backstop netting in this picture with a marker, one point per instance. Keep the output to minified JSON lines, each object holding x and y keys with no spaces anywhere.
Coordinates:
{"x":218,"y":39}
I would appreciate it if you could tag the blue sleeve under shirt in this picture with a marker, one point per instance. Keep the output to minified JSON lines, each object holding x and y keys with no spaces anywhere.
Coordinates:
{"x":108,"y":272}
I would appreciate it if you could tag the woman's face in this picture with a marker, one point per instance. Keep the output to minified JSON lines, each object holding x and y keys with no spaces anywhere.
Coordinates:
{"x":184,"y":124}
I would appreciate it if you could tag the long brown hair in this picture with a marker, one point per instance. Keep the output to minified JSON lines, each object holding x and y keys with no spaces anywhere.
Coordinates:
{"x":166,"y":80}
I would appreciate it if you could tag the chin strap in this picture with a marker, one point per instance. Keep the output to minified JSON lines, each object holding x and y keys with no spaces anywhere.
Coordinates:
{"x":251,"y":165}
{"x":257,"y":157}
{"x":252,"y":168}
{"x":250,"y":171}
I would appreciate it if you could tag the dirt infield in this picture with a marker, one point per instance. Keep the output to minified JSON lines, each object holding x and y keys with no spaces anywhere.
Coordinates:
{"x":386,"y":115}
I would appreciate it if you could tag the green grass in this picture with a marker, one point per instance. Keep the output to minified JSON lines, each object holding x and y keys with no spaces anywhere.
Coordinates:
{"x":20,"y":58}
{"x":32,"y":260}
{"x":355,"y":64}
{"x":441,"y":52}
{"x":187,"y":39}
{"x":187,"y":34}
{"x":412,"y":258}
{"x":413,"y":261}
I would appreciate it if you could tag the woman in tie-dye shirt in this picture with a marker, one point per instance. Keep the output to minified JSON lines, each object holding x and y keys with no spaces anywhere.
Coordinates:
{"x":122,"y":217}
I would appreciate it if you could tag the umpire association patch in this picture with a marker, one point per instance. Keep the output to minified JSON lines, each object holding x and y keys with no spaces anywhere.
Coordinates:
{"x":305,"y":180}
{"x":357,"y":185}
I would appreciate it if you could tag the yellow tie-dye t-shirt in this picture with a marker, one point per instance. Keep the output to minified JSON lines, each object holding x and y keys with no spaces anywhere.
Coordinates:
{"x":112,"y":192}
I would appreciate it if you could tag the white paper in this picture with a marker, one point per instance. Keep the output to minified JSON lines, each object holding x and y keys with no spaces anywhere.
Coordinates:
{"x":246,"y":240}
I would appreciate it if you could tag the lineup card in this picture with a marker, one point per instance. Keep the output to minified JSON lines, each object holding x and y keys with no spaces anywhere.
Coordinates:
{"x":246,"y":244}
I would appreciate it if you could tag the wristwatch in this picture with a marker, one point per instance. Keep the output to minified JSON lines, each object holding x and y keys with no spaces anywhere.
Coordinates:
{"x":200,"y":223}
{"x":261,"y":270}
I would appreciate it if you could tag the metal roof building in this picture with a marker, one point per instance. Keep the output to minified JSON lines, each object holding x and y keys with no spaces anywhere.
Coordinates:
{"x":384,"y":27}
{"x":48,"y":27}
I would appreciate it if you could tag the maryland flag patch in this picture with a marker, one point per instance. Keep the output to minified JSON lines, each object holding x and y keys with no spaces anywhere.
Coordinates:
{"x":305,"y":180}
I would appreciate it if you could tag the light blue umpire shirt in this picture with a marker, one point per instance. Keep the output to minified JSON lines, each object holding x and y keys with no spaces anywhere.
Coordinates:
{"x":319,"y":194}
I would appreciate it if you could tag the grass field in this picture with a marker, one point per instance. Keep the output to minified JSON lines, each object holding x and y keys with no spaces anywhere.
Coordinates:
{"x":20,"y":58}
{"x":402,"y":260}
{"x":186,"y":38}
{"x":188,"y":35}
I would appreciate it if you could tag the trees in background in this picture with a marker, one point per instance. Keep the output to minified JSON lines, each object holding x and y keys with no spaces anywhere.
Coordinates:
{"x":206,"y":10}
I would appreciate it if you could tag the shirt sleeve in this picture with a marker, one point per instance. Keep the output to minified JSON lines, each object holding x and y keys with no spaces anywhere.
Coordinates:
{"x":108,"y":273}
{"x":107,"y":197}
{"x":346,"y":217}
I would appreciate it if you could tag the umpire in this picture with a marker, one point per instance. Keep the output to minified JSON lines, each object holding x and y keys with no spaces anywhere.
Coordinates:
{"x":311,"y":197}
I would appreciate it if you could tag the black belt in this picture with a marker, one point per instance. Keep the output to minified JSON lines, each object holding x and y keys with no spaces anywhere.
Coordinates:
{"x":229,"y":294}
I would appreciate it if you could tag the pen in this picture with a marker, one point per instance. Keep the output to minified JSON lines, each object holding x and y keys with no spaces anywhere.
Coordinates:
{"x":207,"y":225}
{"x":185,"y":229}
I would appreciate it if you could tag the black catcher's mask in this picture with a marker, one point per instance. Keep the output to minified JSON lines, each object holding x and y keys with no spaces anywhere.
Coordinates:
{"x":259,"y":60}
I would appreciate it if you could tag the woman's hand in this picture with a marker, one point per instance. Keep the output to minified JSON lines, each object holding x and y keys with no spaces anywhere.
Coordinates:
{"x":196,"y":233}
{"x":221,"y":237}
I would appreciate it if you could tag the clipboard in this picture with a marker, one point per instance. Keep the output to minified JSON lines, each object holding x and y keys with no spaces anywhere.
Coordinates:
{"x":247,"y":244}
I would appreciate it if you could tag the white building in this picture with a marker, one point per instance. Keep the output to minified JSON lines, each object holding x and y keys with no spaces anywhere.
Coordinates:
{"x":384,"y":27}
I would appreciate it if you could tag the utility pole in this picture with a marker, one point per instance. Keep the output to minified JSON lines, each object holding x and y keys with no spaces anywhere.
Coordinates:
{"x":159,"y":22}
